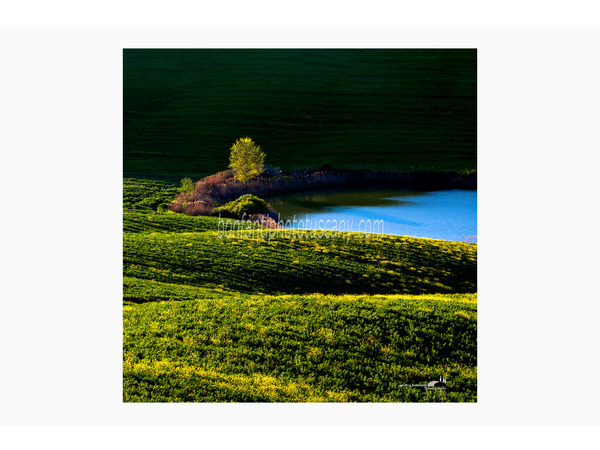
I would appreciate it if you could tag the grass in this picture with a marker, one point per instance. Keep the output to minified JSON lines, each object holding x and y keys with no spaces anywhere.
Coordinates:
{"x":290,"y":320}
{"x":405,"y":109}
{"x":300,"y":348}
{"x":141,"y":194}
{"x":285,"y":265}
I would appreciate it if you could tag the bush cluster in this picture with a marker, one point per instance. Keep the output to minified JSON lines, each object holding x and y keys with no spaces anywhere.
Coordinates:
{"x":246,"y":204}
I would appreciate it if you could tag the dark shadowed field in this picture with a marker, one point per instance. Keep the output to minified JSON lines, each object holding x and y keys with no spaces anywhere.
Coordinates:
{"x":382,"y":109}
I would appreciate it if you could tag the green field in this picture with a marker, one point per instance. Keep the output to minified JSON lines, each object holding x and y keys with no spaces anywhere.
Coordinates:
{"x":282,"y":319}
{"x":383,"y":264}
{"x":233,"y":347}
{"x":383,"y":109}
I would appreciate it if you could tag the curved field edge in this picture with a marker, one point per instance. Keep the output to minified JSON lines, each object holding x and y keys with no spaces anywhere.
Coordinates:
{"x":376,"y":265}
{"x":301,"y":348}
{"x":137,"y":290}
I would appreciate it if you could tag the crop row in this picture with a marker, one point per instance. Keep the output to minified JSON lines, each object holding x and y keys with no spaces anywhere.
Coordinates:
{"x":389,"y":264}
{"x":147,"y":195}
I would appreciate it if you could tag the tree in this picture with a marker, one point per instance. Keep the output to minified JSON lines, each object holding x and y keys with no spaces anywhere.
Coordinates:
{"x":246,"y":159}
{"x":187,"y":186}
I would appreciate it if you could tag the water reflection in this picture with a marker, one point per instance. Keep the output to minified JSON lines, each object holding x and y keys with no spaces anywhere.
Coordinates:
{"x":448,"y":215}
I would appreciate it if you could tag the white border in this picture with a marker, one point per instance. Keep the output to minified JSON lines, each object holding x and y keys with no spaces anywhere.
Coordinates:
{"x":61,"y":324}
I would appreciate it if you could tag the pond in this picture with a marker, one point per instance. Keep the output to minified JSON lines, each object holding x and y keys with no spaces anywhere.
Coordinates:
{"x":449,"y":215}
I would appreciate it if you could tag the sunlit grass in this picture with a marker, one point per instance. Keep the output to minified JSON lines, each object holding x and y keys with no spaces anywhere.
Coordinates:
{"x":290,"y":320}
{"x":301,"y":348}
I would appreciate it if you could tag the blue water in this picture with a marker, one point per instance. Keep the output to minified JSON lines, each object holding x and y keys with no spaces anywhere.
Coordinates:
{"x":449,"y":215}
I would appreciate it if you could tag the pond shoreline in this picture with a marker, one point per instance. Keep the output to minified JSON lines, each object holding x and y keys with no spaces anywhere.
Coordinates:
{"x":214,"y":190}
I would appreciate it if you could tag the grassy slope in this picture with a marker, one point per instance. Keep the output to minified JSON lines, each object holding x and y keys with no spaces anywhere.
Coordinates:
{"x":184,"y":108}
{"x":147,"y":194}
{"x":195,"y":330}
{"x":300,"y":348}
{"x":377,"y":265}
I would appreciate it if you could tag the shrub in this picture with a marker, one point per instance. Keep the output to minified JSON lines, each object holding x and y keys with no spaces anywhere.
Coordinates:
{"x":326,"y":167}
{"x":198,"y":208}
{"x":176,"y":206}
{"x":248,"y":204}
{"x":187,"y":186}
{"x":246,"y":159}
{"x":272,"y":172}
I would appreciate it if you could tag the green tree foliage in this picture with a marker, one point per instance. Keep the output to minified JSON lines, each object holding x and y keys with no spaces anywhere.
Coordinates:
{"x":187,"y":186}
{"x":246,"y":159}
